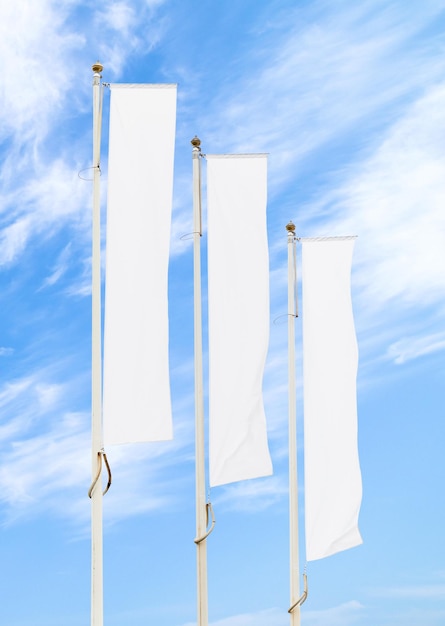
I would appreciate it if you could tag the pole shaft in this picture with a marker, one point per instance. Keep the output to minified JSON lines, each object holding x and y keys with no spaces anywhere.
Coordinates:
{"x":96,"y":383}
{"x":201,"y":517}
{"x":293,"y":476}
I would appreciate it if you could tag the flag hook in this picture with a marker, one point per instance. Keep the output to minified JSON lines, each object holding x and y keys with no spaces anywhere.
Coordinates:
{"x":86,"y":169}
{"x":188,"y":236}
{"x":303,"y":596}
{"x":209,"y":509}
{"x":101,"y":454}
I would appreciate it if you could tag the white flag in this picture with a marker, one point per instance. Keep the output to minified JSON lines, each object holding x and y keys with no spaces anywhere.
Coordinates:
{"x":238,"y":287}
{"x":136,"y":392}
{"x":333,"y":488}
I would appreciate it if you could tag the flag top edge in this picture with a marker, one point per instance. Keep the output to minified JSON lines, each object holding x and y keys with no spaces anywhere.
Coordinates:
{"x":143,"y":85}
{"x":237,"y":156}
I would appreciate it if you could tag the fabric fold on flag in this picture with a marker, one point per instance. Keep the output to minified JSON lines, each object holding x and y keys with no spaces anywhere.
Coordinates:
{"x":136,"y":389}
{"x":238,"y":294}
{"x":333,"y":487}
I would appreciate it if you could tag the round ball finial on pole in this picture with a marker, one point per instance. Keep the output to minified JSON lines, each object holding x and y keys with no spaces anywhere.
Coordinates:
{"x":97,"y":67}
{"x":290,"y":227}
{"x":196,"y":142}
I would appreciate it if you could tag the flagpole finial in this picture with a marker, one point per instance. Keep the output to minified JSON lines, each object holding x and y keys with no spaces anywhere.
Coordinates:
{"x":196,"y":143}
{"x":290,"y":227}
{"x":97,"y":67}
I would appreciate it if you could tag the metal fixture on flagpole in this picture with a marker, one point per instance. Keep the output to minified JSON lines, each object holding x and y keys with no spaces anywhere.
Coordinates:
{"x":201,"y":507}
{"x":294,"y":610}
{"x":96,"y":384}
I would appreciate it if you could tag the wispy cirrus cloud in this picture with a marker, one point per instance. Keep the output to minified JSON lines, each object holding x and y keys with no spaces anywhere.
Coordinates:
{"x":420,"y":603}
{"x":45,"y":61}
{"x":365,"y":73}
{"x":251,"y":495}
{"x":433,"y":591}
{"x":52,"y":196}
{"x":410,"y":348}
{"x":45,"y":458}
{"x":394,"y":201}
{"x":17,"y":412}
{"x":347,"y":614}
{"x":43,"y":55}
{"x":129,"y":28}
{"x":51,"y":471}
{"x":60,"y":267}
{"x":33,"y":52}
{"x":261,"y":618}
{"x":333,"y":70}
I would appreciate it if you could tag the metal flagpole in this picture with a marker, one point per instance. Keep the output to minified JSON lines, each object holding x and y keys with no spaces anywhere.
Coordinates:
{"x":201,"y":508}
{"x":294,"y":610}
{"x":96,"y":427}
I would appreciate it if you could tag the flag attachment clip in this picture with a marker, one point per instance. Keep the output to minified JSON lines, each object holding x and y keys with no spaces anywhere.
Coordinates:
{"x":101,"y":454}
{"x":87,"y":169}
{"x":209,"y":509}
{"x":303,"y":596}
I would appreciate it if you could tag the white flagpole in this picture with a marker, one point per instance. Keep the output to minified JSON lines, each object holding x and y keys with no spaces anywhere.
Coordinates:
{"x":294,"y":610}
{"x":201,"y":509}
{"x":96,"y":420}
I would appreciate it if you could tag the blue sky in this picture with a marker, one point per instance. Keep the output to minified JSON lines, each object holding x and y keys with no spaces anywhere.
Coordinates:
{"x":348,"y":99}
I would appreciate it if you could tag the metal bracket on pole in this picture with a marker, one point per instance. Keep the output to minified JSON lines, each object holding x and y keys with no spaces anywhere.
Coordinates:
{"x":303,"y":596}
{"x":209,"y":508}
{"x":101,"y":454}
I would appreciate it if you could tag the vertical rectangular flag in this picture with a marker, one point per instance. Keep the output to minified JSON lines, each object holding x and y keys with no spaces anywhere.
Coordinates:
{"x":333,"y":487}
{"x":238,"y":293}
{"x":136,"y":390}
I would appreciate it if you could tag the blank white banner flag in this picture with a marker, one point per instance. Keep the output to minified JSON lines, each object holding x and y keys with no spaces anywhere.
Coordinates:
{"x":333,"y":488}
{"x":238,"y":287}
{"x":136,"y":391}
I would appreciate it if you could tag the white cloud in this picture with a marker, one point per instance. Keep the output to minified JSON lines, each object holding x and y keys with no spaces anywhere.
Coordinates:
{"x":13,"y":240}
{"x":42,"y":48}
{"x":43,"y":448}
{"x":251,"y":495}
{"x":410,"y":348}
{"x":43,"y":86}
{"x":431,"y":591}
{"x":53,"y":196}
{"x":34,"y":52}
{"x":123,"y":39}
{"x":360,"y":74}
{"x":51,"y":471}
{"x":119,"y":16}
{"x":145,"y":482}
{"x":48,"y":395}
{"x":60,"y":267}
{"x":45,"y":458}
{"x":346,"y":614}
{"x":394,"y":202}
{"x":15,"y":414}
{"x":268,"y":617}
{"x":333,"y":70}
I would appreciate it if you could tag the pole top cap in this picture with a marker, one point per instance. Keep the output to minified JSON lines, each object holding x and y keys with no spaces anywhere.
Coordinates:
{"x":290,"y":227}
{"x":196,"y":142}
{"x":97,"y":67}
